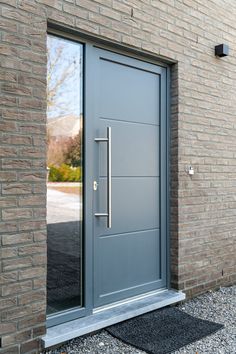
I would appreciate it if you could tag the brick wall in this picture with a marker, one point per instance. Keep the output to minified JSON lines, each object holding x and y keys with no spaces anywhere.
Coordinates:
{"x":203,"y":207}
{"x":22,"y":175}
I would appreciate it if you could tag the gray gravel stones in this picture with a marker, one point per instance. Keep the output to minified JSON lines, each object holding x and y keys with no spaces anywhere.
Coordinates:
{"x":218,"y":306}
{"x":101,"y":343}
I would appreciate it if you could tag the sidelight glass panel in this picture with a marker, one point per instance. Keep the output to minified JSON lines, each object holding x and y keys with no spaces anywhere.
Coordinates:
{"x":65,"y":171}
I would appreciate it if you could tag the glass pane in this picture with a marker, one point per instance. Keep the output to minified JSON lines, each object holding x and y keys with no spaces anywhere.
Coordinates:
{"x":65,"y":171}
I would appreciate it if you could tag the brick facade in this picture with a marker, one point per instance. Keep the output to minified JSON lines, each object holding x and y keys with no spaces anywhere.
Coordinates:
{"x":203,"y":128}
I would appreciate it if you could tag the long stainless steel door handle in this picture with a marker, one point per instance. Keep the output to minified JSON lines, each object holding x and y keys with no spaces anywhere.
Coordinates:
{"x":109,"y":208}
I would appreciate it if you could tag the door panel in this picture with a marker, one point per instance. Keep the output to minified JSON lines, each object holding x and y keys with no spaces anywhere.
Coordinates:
{"x":137,"y":153}
{"x":129,"y":257}
{"x":126,"y":255}
{"x":131,"y":92}
{"x":135,"y":204}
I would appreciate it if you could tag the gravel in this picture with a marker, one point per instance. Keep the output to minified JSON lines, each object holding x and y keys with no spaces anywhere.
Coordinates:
{"x":218,"y":306}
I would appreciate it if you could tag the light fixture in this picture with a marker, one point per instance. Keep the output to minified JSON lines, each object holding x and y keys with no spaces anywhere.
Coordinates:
{"x":222,"y":50}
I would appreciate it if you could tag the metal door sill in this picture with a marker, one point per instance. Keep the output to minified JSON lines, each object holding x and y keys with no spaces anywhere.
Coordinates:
{"x":109,"y":316}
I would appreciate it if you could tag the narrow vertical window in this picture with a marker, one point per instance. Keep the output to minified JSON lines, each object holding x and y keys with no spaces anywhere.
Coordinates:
{"x":65,"y":172}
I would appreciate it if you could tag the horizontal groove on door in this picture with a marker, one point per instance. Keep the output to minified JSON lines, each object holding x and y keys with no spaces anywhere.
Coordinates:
{"x":123,"y":176}
{"x":128,"y":233}
{"x":129,"y":66}
{"x":128,"y":122}
{"x":132,"y":288}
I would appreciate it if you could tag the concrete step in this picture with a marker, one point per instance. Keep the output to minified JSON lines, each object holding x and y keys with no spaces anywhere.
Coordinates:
{"x":106,"y":316}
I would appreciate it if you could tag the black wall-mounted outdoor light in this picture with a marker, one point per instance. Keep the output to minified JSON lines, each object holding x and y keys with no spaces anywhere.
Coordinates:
{"x":222,"y":50}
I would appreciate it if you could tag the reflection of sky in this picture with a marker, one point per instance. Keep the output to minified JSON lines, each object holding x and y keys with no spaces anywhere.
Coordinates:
{"x":64,"y":60}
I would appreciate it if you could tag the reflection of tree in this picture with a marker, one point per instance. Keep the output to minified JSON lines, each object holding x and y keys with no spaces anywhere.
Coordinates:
{"x":73,"y":154}
{"x":64,"y":150}
{"x":64,"y":73}
{"x":62,"y":76}
{"x":57,"y":150}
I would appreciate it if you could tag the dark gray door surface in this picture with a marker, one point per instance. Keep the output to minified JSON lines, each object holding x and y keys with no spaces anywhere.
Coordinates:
{"x":130,"y":98}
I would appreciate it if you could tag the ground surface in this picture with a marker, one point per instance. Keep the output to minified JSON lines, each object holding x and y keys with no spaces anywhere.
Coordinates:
{"x":218,"y":306}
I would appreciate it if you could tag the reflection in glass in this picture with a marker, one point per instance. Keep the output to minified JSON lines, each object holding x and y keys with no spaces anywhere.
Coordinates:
{"x":64,"y":164}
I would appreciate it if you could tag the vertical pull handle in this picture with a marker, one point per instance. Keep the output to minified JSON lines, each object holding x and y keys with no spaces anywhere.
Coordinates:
{"x":109,"y":208}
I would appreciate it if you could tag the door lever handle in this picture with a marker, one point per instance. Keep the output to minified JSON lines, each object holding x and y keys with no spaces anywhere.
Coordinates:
{"x":108,"y":214}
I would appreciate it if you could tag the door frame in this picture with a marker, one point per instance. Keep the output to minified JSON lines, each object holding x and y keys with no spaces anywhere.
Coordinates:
{"x":88,"y":151}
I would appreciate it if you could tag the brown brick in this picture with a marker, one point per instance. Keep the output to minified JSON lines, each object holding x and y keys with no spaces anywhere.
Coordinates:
{"x":8,"y":126}
{"x":32,"y":321}
{"x":105,"y":11}
{"x":17,"y":288}
{"x":32,"y":80}
{"x":30,"y":346}
{"x":16,"y":39}
{"x":8,"y":76}
{"x":87,"y":26}
{"x":28,"y":55}
{"x":39,"y":331}
{"x":23,"y":115}
{"x":39,"y":141}
{"x":34,"y":200}
{"x":122,"y":7}
{"x":7,"y":101}
{"x":75,"y":11}
{"x":30,"y":103}
{"x":39,"y":164}
{"x":7,"y":25}
{"x":16,"y":338}
{"x":8,"y":151}
{"x":32,"y":128}
{"x":10,"y":350}
{"x":16,"y":188}
{"x":16,"y":140}
{"x":11,"y":214}
{"x":17,"y":238}
{"x":8,"y":226}
{"x":7,"y":202}
{"x":31,"y":225}
{"x":62,"y":18}
{"x":40,"y":236}
{"x":8,"y":252}
{"x":16,"y":89}
{"x":53,"y":3}
{"x":39,"y":283}
{"x":39,"y":259}
{"x":88,"y":4}
{"x":106,"y":32}
{"x":32,"y":152}
{"x":98,"y":19}
{"x":7,"y":328}
{"x":16,"y":313}
{"x":18,"y":263}
{"x":12,"y":63}
{"x":8,"y":50}
{"x":6,"y":176}
{"x":34,"y":296}
{"x":16,"y":164}
{"x":9,"y":302}
{"x":31,"y":273}
{"x":31,"y":7}
{"x":40,"y":213}
{"x":31,"y":249}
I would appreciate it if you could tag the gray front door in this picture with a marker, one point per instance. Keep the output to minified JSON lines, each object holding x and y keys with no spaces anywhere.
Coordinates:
{"x":130,"y":99}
